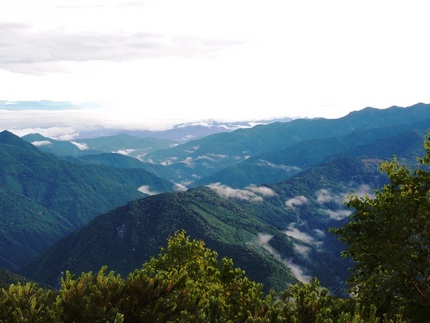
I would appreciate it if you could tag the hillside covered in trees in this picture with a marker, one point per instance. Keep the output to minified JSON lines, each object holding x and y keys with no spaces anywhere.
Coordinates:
{"x":387,"y":237}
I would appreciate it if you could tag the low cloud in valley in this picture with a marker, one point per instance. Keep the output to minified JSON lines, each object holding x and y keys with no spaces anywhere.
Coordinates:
{"x":296,"y":201}
{"x":336,"y":214}
{"x":41,"y":143}
{"x":251,"y":193}
{"x":145,"y":189}
{"x":297,"y":271}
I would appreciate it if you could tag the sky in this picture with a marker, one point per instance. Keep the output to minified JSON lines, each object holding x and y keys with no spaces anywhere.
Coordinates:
{"x":150,"y":64}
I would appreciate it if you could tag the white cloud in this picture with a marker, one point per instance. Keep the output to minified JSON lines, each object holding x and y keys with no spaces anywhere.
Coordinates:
{"x":286,"y":168}
{"x":42,"y":143}
{"x":125,"y":152}
{"x":228,"y":192}
{"x":189,"y":162}
{"x":190,"y":151}
{"x":261,"y":190}
{"x":364,"y":190}
{"x":297,"y":271}
{"x":57,"y":133}
{"x":145,"y":189}
{"x":56,"y":124}
{"x":81,"y":146}
{"x":296,"y":201}
{"x":157,"y":60}
{"x":336,"y":215}
{"x":302,"y":250}
{"x":179,"y":187}
{"x":263,"y":241}
{"x":22,"y":48}
{"x":325,"y":196}
{"x":319,"y":233}
{"x":168,"y":161}
{"x":293,"y":232}
{"x":211,"y":157}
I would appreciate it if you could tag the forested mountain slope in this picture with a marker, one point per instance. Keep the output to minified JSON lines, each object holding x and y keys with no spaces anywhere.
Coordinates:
{"x":278,"y":233}
{"x":404,"y":141}
{"x":43,"y":197}
{"x":201,"y":158}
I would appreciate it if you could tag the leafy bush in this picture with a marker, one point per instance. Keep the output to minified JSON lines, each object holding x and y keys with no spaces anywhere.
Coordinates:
{"x":185,"y":283}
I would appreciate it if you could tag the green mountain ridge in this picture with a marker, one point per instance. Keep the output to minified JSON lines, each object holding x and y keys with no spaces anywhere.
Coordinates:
{"x":403,"y":141}
{"x":44,"y":197}
{"x":201,"y":158}
{"x":273,"y":243}
{"x":261,"y":154}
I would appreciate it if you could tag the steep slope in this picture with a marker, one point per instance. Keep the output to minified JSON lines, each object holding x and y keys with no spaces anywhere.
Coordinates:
{"x":128,"y":236}
{"x":204,"y":157}
{"x":43,"y":197}
{"x":273,"y":232}
{"x":27,"y":229}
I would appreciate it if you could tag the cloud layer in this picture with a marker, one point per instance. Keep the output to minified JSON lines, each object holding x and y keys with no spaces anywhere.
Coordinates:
{"x":21,"y":46}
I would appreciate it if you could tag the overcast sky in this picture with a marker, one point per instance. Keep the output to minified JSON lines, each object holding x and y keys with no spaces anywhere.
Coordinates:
{"x":148,"y":62}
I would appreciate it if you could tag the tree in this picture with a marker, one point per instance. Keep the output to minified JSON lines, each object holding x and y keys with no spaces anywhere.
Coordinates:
{"x":187,"y":282}
{"x":308,"y":302}
{"x":90,"y":298}
{"x":27,"y":303}
{"x":388,"y":238}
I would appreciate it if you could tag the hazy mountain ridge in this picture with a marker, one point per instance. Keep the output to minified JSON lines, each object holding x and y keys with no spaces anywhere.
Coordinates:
{"x":121,"y":143}
{"x":267,"y":153}
{"x":185,"y":131}
{"x":404,"y":141}
{"x":201,"y":158}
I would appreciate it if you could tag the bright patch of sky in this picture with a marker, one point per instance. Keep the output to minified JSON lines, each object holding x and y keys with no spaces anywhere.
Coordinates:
{"x":151,"y":64}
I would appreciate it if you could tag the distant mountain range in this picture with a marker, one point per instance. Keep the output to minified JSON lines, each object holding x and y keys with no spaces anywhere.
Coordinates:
{"x":122,"y":144}
{"x":267,"y":153}
{"x":184,"y":132}
{"x":264,"y":196}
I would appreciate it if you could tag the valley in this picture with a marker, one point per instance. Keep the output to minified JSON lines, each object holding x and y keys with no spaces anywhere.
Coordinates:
{"x":265,"y":196}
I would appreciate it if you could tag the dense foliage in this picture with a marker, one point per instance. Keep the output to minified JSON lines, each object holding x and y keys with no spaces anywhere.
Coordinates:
{"x":185,"y":283}
{"x":389,"y":241}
